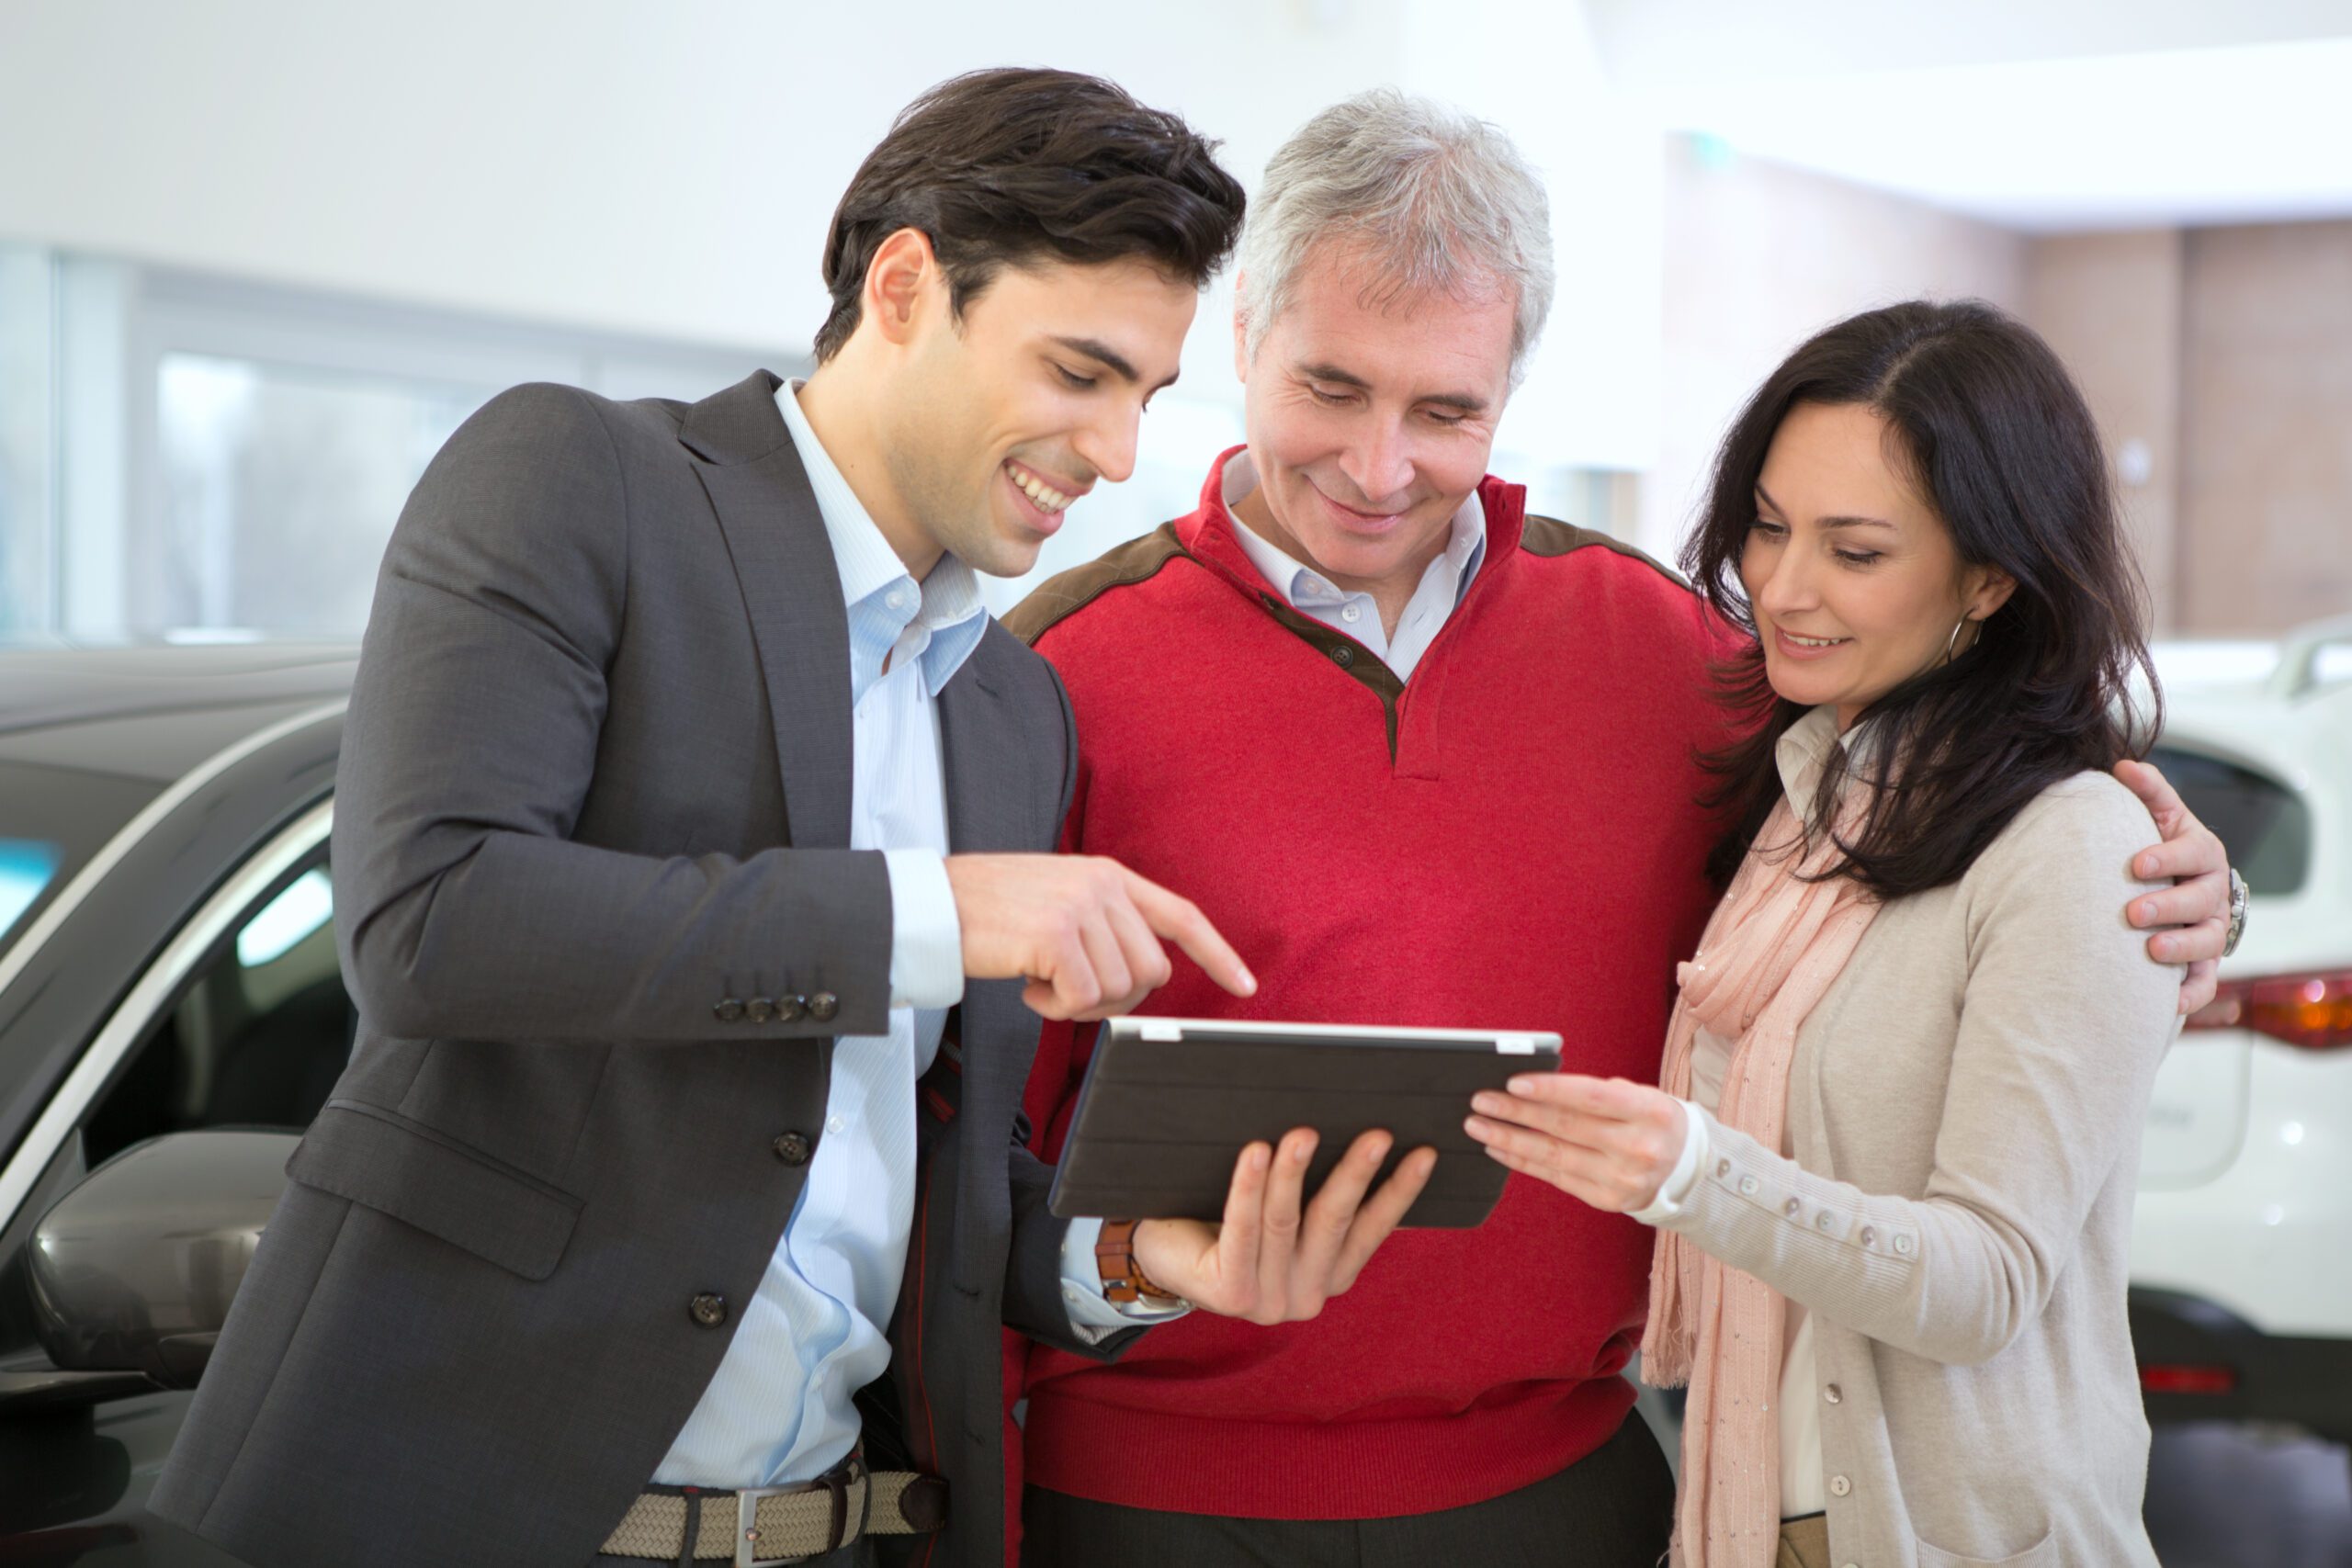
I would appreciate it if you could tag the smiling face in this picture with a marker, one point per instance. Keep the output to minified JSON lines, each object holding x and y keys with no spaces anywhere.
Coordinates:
{"x":998,"y":421}
{"x":1371,"y":423}
{"x":1854,"y":580}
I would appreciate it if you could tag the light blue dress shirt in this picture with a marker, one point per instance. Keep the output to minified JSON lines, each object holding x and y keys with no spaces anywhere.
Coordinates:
{"x":1442,"y":584}
{"x":779,"y":1409}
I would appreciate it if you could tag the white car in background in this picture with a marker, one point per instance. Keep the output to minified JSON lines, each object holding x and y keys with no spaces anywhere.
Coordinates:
{"x":2241,"y":1233}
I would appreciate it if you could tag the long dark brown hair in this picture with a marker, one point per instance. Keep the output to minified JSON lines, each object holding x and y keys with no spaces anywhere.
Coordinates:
{"x":1997,"y":441}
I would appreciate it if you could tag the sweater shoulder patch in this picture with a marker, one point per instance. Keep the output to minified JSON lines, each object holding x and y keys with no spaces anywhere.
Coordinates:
{"x":1550,"y":536}
{"x":1065,"y":593}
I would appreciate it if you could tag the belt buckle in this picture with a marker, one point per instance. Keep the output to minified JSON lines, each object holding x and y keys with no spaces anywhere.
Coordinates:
{"x":747,"y":1526}
{"x":836,"y":1481}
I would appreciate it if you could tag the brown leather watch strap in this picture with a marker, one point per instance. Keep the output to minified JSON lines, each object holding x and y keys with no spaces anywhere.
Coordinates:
{"x":1123,"y":1281}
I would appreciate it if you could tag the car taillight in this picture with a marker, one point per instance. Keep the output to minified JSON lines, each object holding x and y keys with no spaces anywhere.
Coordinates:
{"x":2314,"y":1011}
{"x":2176,"y":1377}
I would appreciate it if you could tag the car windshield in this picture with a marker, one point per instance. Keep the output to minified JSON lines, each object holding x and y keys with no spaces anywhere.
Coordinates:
{"x":52,"y":820}
{"x":2266,"y":826}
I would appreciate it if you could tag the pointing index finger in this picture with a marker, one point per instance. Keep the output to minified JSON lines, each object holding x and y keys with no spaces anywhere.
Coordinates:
{"x":1181,"y":922}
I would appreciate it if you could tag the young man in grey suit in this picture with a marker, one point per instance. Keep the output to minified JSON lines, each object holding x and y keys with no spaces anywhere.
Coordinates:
{"x":689,"y":843}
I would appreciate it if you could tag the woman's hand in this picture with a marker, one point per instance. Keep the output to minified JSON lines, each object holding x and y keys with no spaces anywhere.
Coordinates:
{"x":1607,"y":1142}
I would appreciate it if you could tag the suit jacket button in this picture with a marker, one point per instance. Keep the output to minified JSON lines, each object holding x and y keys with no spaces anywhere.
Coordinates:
{"x":759,"y":1010}
{"x":728,"y":1010}
{"x":791,"y":1008}
{"x":708,"y":1309}
{"x":823,"y":1005}
{"x":792,"y":1148}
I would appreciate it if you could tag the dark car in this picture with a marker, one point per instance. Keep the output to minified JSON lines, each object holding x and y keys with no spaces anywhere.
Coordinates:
{"x":171,"y":1016}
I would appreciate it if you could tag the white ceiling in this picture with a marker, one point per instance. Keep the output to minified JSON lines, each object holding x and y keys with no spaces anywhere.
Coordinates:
{"x":2068,"y":114}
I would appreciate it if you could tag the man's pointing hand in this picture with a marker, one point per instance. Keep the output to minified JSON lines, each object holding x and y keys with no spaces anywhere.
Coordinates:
{"x":1083,"y":931}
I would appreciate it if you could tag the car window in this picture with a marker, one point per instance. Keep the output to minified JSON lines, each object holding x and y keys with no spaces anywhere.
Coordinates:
{"x":2265,"y":826}
{"x":256,"y":1039}
{"x":53,"y":820}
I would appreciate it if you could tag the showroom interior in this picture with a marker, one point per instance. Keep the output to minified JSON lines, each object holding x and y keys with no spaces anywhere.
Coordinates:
{"x":259,"y":261}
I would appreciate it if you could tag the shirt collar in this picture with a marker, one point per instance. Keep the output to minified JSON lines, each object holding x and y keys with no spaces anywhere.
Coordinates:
{"x":945,"y":606}
{"x":1466,"y":544}
{"x":1804,"y":751}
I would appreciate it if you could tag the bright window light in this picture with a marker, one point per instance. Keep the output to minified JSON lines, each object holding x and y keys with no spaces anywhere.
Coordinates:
{"x":303,"y":907}
{"x":25,"y":867}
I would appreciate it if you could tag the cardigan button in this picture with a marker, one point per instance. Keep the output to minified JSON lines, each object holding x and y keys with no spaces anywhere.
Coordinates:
{"x":1839,"y":1486}
{"x":1723,"y":1167}
{"x":1903,"y":1244}
{"x":1870,"y":1235}
{"x":1834,"y":1395}
{"x":1825,"y":1220}
{"x":1748,"y":1185}
{"x":1343,"y":656}
{"x":1794,"y":1205}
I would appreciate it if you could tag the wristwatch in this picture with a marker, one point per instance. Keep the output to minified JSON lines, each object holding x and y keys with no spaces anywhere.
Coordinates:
{"x":2237,"y":913}
{"x":1123,"y":1281}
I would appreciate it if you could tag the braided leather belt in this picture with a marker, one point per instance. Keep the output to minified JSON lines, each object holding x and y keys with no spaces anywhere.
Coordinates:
{"x":763,"y":1525}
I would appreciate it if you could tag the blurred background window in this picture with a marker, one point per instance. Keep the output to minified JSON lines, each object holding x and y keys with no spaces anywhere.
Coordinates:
{"x":228,"y":342}
{"x":192,"y":457}
{"x":279,"y":485}
{"x":27,"y":439}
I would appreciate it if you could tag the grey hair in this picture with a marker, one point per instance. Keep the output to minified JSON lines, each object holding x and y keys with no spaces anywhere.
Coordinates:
{"x":1442,"y":201}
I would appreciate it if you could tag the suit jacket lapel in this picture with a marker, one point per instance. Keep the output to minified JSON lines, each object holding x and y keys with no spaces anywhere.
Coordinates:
{"x":792,"y":591}
{"x":989,"y":810}
{"x":992,"y":807}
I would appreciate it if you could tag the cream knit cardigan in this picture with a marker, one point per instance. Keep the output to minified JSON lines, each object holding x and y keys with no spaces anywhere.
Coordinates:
{"x":1965,"y":1106}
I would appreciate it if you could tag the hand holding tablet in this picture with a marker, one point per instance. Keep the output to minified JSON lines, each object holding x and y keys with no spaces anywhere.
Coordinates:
{"x":1268,"y":1259}
{"x":1168,"y":1103}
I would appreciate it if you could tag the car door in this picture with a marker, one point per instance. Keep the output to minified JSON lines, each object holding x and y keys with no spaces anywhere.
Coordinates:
{"x":184,"y":985}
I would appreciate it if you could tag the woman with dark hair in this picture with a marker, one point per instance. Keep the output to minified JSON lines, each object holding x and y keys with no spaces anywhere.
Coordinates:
{"x":1892,"y":1162}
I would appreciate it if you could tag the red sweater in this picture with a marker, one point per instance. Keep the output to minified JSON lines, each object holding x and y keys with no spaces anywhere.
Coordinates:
{"x":1510,"y":840}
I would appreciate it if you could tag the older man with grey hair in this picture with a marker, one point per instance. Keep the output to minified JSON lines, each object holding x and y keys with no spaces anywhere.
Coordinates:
{"x":1431,"y":761}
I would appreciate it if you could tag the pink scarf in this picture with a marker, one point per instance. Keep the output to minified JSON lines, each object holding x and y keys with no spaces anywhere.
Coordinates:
{"x":1771,"y":950}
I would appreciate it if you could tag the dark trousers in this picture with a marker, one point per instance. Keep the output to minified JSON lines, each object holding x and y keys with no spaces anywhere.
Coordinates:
{"x":1613,"y":1508}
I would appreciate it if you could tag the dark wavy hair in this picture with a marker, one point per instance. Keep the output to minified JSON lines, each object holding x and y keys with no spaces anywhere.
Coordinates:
{"x":1002,"y":166}
{"x":1998,"y":442}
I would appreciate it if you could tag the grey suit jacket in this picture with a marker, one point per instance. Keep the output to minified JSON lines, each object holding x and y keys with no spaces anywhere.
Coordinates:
{"x":595,"y":781}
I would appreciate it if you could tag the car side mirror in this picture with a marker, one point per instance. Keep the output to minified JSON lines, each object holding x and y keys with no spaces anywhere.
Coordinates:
{"x":133,"y":1269}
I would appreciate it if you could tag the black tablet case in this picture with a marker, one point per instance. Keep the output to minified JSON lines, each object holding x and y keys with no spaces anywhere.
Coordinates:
{"x":1159,"y":1123}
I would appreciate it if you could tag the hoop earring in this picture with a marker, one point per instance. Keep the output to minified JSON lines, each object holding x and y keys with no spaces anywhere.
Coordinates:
{"x":1952,"y":645}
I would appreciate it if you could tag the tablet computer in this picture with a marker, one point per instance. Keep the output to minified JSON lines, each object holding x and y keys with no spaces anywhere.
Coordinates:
{"x":1168,"y":1103}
